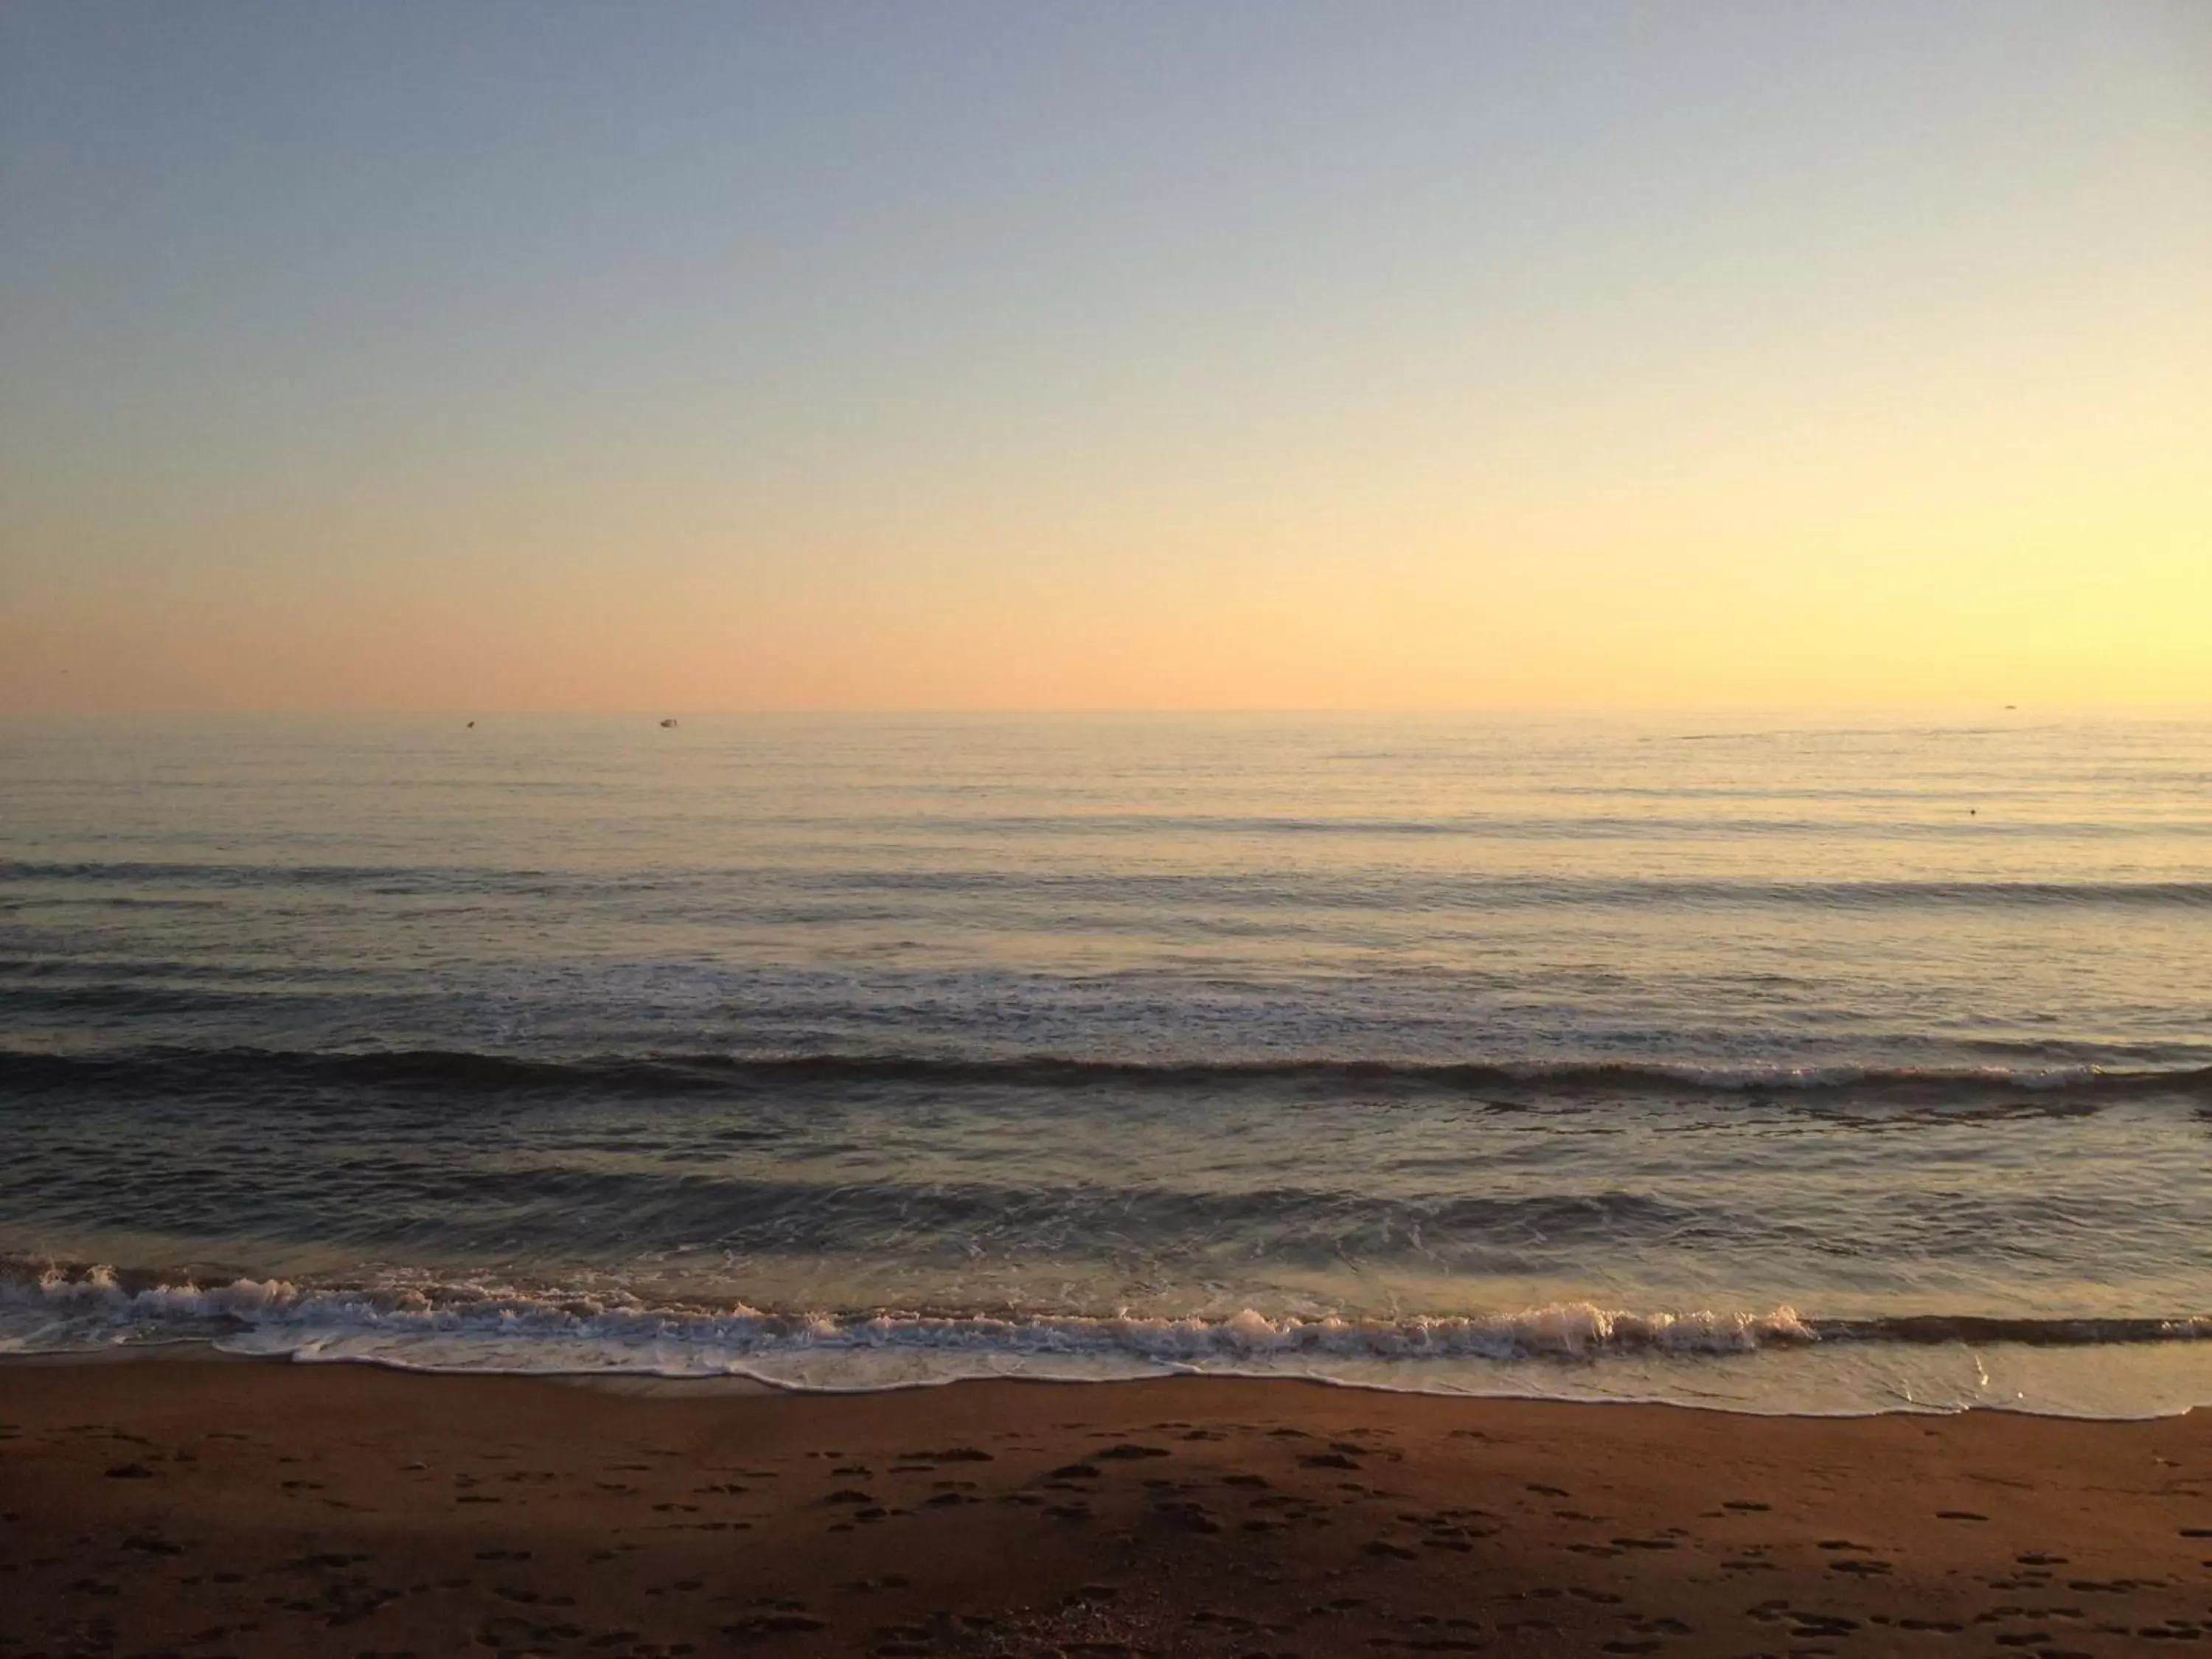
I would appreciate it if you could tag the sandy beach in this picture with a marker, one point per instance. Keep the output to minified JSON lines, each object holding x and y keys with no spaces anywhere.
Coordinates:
{"x":200,"y":1507}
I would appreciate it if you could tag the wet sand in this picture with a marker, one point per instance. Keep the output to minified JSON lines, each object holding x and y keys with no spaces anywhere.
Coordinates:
{"x":199,"y":1507}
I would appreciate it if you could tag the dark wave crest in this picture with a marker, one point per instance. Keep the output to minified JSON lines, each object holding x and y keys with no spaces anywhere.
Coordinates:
{"x":184,"y":1071}
{"x":1116,"y":889}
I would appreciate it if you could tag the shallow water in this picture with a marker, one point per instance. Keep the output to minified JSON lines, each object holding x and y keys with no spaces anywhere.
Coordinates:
{"x":1807,"y":1064}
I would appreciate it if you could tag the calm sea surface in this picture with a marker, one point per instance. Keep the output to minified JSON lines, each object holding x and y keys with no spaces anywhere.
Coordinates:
{"x":1806,"y":1065}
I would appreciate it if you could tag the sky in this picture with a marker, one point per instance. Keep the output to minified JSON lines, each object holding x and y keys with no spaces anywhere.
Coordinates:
{"x":1255,"y":354}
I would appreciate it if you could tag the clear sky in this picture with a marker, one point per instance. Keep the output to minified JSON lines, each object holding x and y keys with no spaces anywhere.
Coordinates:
{"x":1239,"y":354}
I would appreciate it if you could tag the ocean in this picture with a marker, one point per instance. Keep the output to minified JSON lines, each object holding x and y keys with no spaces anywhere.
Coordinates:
{"x":1779,"y":1064}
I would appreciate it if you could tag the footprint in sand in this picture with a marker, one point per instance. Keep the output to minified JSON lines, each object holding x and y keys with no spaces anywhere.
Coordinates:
{"x":1329,"y":1460}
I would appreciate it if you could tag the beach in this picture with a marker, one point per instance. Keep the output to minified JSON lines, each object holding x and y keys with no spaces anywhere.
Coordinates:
{"x":1015,"y":831}
{"x":1204,"y":1186}
{"x":196,"y":1505}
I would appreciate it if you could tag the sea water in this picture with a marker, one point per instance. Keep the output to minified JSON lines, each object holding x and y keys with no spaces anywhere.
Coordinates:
{"x":1786,"y":1064}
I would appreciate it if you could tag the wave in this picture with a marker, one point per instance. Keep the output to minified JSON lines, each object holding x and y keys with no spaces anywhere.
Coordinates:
{"x":121,"y":1299}
{"x":1577,"y":1349}
{"x":376,"y":879}
{"x":1371,"y":889}
{"x":183,"y":1070}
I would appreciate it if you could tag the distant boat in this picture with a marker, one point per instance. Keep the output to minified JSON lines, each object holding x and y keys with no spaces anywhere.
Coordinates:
{"x":665,"y":724}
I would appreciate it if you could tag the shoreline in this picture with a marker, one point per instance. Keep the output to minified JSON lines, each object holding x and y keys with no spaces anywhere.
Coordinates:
{"x":209,"y":1505}
{"x":1816,"y":1381}
{"x":1755,"y":1360}
{"x":652,"y":1385}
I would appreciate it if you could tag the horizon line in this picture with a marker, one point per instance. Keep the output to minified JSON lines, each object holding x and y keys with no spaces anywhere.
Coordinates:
{"x":648,"y":711}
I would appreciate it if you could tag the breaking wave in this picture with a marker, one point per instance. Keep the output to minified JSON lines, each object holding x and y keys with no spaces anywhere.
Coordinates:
{"x":1576,"y":1349}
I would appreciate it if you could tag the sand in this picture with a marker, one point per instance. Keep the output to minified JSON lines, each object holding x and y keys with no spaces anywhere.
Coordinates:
{"x":203,"y":1507}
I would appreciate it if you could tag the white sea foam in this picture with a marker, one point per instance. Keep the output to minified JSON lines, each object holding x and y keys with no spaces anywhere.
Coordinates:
{"x":1773,"y":1361}
{"x":60,"y":1308}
